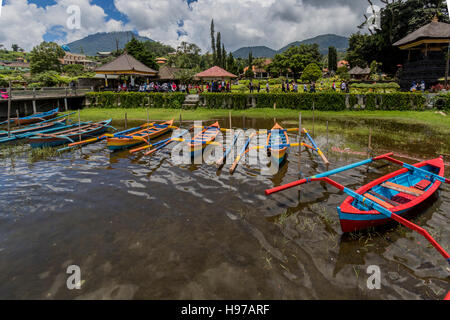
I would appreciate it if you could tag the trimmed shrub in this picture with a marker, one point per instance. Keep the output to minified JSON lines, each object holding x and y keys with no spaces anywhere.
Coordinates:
{"x":333,"y":101}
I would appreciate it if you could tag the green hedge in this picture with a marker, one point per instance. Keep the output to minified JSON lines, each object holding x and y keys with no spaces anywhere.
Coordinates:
{"x":136,"y":99}
{"x":443,"y":102}
{"x":321,"y":101}
{"x":299,"y":101}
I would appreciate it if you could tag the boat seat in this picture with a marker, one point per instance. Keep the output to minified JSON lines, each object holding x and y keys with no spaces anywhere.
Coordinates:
{"x":379,"y":201}
{"x":422,"y":185}
{"x":398,"y":187}
{"x":403,"y":198}
{"x":373,"y":193}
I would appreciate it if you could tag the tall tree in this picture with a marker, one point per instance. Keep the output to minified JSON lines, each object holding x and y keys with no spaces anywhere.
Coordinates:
{"x":218,"y":49}
{"x":296,"y":59}
{"x":332,"y":59}
{"x":398,"y":19}
{"x":137,"y":49}
{"x":15,"y":47}
{"x":231,"y":64}
{"x":45,"y":57}
{"x":224,"y":57}
{"x":213,"y":41}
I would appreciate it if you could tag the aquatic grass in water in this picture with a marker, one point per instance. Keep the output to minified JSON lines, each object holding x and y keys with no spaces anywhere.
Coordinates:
{"x":43,"y":154}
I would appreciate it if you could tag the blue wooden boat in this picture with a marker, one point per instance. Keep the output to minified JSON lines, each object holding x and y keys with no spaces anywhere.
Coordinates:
{"x":34,"y":118}
{"x":76,"y":133}
{"x":202,"y":139}
{"x":33,"y":128}
{"x":399,"y":192}
{"x":277,"y":142}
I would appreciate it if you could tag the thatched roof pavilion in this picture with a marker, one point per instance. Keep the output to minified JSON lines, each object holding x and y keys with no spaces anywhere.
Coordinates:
{"x":126,"y":64}
{"x":215,"y":73}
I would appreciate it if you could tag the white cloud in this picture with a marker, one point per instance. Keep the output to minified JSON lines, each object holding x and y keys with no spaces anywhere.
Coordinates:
{"x":26,"y":24}
{"x":274,"y":23}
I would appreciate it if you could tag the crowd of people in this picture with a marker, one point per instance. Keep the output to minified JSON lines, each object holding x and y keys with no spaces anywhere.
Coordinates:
{"x":416,"y":86}
{"x":156,"y":87}
{"x":213,"y":86}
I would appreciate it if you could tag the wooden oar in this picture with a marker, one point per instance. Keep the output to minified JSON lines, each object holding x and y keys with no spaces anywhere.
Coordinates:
{"x":325,"y":160}
{"x":327,"y":174}
{"x":88,"y":141}
{"x":243,"y":151}
{"x":375,"y":206}
{"x":228,"y":151}
{"x":164,"y":143}
{"x":416,"y":170}
{"x":158,"y":143}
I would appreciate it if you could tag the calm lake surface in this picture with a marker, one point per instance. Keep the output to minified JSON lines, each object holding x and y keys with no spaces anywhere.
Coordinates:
{"x":144,"y":228}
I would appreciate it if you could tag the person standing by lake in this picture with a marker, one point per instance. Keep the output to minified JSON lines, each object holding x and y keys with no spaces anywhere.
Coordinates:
{"x":267,"y":87}
{"x":283,"y":88}
{"x":259,"y":87}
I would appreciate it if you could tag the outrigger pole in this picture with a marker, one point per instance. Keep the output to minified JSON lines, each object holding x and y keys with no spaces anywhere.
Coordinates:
{"x":324,"y":178}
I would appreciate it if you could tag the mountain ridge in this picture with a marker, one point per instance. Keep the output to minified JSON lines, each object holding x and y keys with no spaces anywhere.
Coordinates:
{"x":103,"y":41}
{"x":324,"y":41}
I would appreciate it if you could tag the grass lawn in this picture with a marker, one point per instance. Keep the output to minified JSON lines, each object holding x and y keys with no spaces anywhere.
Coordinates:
{"x":431,"y":118}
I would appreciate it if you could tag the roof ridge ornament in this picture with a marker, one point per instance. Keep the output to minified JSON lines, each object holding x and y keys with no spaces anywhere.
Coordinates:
{"x":435,"y":18}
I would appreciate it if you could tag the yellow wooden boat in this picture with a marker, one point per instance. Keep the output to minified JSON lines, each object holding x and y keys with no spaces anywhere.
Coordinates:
{"x":120,"y":142}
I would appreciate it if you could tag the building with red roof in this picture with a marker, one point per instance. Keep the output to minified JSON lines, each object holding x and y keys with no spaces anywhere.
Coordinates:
{"x":215,"y":73}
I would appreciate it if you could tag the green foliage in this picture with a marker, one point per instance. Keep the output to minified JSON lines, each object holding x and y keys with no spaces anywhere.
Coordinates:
{"x":138,"y":50}
{"x":45,"y":57}
{"x":158,"y":49}
{"x":295,"y":59}
{"x":398,"y":19}
{"x":375,"y":87}
{"x":187,"y":57}
{"x":239,"y":101}
{"x":312,"y":73}
{"x":136,"y":100}
{"x":73,"y":70}
{"x":332,"y":59}
{"x":342,"y":72}
{"x":186,"y":75}
{"x":50,"y":79}
{"x":442,"y":102}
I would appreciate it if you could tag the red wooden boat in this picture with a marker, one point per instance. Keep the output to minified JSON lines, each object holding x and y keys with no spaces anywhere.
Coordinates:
{"x":399,"y":192}
{"x":387,"y":198}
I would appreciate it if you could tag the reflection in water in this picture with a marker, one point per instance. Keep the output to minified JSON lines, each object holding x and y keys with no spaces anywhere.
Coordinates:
{"x":141,"y":227}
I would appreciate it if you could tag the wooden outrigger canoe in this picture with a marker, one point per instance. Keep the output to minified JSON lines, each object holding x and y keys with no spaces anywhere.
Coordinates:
{"x":202,"y":139}
{"x":399,"y":192}
{"x":35,"y":127}
{"x":387,"y":198}
{"x":277,"y":143}
{"x":34,"y":117}
{"x":140,"y":136}
{"x":65,"y":136}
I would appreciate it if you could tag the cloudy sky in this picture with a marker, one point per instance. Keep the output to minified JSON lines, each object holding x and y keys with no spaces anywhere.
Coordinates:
{"x":273,"y":23}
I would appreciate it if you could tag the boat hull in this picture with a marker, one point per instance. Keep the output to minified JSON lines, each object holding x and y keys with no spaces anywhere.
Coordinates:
{"x":119,"y":143}
{"x":37,"y":118}
{"x":45,"y":126}
{"x":201,"y":140}
{"x":353,"y":218}
{"x":47,"y":141}
{"x":275,"y":138}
